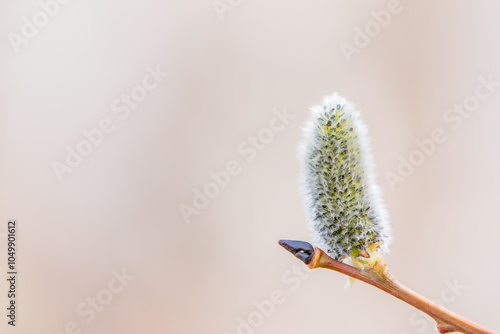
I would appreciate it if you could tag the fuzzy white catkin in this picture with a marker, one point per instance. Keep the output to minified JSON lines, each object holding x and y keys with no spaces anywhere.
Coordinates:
{"x":342,"y":201}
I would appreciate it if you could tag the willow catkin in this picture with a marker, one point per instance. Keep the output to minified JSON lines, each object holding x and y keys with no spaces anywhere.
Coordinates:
{"x":342,"y":201}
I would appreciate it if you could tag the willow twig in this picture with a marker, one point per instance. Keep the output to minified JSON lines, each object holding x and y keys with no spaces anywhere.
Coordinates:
{"x":379,"y":276}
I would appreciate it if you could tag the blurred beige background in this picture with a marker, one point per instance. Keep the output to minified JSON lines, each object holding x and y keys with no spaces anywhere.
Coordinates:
{"x":229,"y":68}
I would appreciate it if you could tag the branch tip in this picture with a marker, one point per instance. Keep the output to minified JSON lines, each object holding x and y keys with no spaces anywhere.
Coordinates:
{"x":302,"y":250}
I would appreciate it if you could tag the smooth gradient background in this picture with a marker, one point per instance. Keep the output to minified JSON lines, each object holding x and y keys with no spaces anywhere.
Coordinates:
{"x":119,"y":209}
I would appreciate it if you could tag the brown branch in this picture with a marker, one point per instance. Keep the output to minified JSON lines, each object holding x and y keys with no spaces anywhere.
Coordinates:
{"x":380,"y":277}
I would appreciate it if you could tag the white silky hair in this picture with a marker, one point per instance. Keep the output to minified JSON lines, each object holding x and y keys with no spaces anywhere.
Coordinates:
{"x":363,"y":164}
